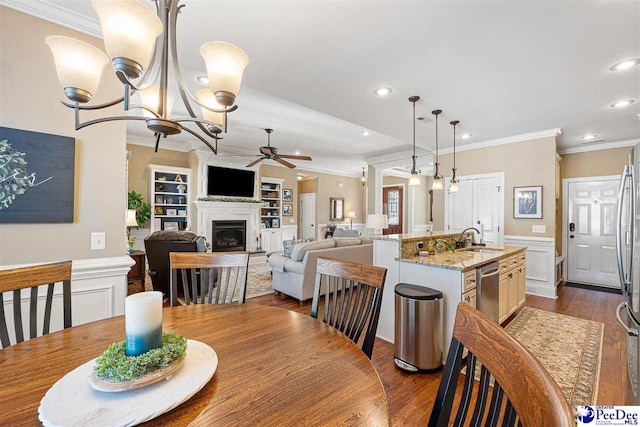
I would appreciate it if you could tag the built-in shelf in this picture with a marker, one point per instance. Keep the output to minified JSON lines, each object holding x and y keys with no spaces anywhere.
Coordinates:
{"x":169,"y":194}
{"x":271,"y":198}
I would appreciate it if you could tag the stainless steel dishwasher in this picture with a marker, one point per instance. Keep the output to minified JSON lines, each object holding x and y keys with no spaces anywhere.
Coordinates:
{"x":487,"y":289}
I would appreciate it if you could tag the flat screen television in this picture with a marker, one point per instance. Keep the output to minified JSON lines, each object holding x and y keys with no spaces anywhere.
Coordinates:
{"x":230,"y":182}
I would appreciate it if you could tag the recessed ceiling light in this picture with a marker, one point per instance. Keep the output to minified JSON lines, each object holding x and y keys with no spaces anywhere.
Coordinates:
{"x":297,"y":153}
{"x":622,"y":104}
{"x":625,"y":65}
{"x":588,"y":136}
{"x":465,"y":136}
{"x":383,"y":91}
{"x":364,"y":133}
{"x":203,"y":80}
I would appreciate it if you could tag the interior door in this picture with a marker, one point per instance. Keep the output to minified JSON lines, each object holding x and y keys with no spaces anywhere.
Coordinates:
{"x":486,"y":202}
{"x":392,"y":207}
{"x":591,"y":248}
{"x":460,"y":207}
{"x":308,"y":215}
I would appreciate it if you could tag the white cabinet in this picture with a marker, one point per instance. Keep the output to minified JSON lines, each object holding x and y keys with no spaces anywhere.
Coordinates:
{"x":169,"y":194}
{"x":272,"y":239}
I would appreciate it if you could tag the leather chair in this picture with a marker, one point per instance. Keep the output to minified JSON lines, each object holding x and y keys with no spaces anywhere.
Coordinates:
{"x":159,"y":244}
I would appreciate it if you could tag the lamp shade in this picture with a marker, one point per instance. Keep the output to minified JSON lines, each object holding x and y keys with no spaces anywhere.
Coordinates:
{"x":414,"y":180}
{"x":150,"y":98}
{"x":453,"y":187}
{"x":129,"y":29}
{"x":351,"y":214}
{"x":377,"y":221}
{"x":131,"y":218}
{"x":437,"y":183}
{"x":206,"y":97}
{"x":78,"y":64}
{"x":225,"y":66}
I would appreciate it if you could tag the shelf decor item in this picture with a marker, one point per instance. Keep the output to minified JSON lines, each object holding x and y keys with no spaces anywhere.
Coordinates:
{"x":527,"y":202}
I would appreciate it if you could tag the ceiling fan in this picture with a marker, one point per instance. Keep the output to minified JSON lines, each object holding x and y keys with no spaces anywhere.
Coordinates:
{"x":269,"y":152}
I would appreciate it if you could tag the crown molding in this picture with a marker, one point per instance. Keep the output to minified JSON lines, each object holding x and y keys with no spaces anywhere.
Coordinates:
{"x":397,"y":156}
{"x":51,"y":12}
{"x":601,"y":146}
{"x":165,"y":143}
{"x":549,"y":133}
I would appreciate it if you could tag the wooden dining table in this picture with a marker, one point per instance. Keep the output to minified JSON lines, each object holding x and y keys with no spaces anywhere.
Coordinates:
{"x":275,"y":367}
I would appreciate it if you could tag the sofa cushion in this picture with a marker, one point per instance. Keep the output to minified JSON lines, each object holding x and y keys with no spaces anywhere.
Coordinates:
{"x":366,"y":240}
{"x":301,"y":249}
{"x":294,"y":267}
{"x":341,"y":232}
{"x":346,"y":241}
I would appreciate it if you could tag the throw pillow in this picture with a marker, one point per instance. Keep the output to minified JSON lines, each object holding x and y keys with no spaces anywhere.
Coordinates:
{"x":287,"y":246}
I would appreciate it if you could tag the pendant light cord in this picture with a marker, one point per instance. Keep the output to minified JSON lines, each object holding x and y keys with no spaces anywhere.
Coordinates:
{"x":414,"y":137}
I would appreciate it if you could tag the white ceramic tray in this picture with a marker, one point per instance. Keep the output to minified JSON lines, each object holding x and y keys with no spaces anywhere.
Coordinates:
{"x":72,"y":400}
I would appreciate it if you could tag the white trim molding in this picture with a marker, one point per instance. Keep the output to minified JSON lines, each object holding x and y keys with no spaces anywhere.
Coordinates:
{"x":541,"y":264}
{"x":549,"y":133}
{"x":51,"y":12}
{"x":601,"y":146}
{"x":165,"y":144}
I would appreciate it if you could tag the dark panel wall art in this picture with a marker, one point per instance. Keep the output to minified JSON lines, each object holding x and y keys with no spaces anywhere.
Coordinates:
{"x":36,"y":177}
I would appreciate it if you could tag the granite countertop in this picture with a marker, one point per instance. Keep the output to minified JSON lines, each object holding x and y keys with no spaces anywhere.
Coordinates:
{"x":464,"y":260}
{"x":414,"y":236}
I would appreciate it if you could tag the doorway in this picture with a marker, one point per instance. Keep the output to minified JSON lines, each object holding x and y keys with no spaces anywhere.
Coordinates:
{"x":392,"y":203}
{"x":308,"y":215}
{"x":590,"y":230}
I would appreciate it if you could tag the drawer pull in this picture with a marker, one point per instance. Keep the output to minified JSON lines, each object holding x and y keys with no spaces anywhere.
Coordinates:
{"x":467,"y":299}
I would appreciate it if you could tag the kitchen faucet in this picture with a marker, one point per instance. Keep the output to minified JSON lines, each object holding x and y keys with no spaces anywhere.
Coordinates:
{"x":460,"y":241}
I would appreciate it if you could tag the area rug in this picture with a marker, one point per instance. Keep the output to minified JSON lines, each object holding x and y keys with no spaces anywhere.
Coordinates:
{"x":568,"y":347}
{"x":259,"y":280}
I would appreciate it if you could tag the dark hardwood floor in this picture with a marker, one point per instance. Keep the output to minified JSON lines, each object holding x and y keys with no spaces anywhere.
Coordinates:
{"x":411,"y":396}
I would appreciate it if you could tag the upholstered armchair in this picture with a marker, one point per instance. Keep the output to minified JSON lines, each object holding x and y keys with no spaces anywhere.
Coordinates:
{"x":159,"y":244}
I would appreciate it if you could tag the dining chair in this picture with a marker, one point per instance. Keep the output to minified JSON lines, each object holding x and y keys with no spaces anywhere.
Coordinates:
{"x":352,"y":295}
{"x":17,"y":279}
{"x":522,"y":388}
{"x":214,"y":276}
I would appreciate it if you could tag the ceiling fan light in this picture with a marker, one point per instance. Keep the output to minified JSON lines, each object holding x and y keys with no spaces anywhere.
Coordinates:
{"x":225,"y":65}
{"x":130,"y":30}
{"x":206,"y":97}
{"x":79,"y":65}
{"x":150,"y":98}
{"x":437,"y":183}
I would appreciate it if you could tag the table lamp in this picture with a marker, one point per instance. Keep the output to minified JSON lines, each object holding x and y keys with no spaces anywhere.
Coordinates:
{"x":377,"y":221}
{"x":351,"y":215}
{"x":131,"y":222}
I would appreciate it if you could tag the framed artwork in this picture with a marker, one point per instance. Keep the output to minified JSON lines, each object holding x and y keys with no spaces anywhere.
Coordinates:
{"x":158,"y":210}
{"x":182,"y":212}
{"x":275,"y":223}
{"x":172,"y":212}
{"x":527,"y":202}
{"x":287,"y":195}
{"x":287,"y":209}
{"x":36,"y":177}
{"x":171,"y":226}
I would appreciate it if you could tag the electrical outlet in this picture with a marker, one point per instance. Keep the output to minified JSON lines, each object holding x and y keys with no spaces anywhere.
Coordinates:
{"x":98,"y":241}
{"x":538,"y":228}
{"x":420,"y":246}
{"x":292,"y":221}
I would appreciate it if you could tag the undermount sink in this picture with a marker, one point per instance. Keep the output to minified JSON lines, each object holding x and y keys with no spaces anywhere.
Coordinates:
{"x":480,"y":250}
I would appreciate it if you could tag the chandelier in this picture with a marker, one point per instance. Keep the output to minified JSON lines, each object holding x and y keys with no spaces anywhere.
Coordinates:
{"x":142,"y":45}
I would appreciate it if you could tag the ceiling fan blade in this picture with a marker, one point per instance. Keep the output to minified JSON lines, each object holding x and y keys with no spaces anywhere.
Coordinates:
{"x":255,"y":162}
{"x":284,"y":162}
{"x":291,"y":156}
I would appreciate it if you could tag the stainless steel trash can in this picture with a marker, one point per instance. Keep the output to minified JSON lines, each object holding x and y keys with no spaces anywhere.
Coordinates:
{"x":418,"y":328}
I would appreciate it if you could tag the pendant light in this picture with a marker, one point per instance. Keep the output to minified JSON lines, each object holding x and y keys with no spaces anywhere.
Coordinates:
{"x":363,"y":180}
{"x":437,"y":178}
{"x":415,"y":174}
{"x":453,"y":186}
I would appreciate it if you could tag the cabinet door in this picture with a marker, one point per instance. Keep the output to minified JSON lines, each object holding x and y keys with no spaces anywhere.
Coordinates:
{"x":522,"y":285}
{"x":502,"y":298}
{"x":276,"y":237}
{"x":470,"y":298}
{"x":512,"y":291}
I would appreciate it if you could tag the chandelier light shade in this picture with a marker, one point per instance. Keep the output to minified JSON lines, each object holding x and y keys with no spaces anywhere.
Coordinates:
{"x":225,"y":66}
{"x":437,"y":177}
{"x":79,"y":65}
{"x":415,"y":174}
{"x":130,"y":30}
{"x":150,"y":99}
{"x":453,"y":185}
{"x":142,"y":47}
{"x":205,"y":97}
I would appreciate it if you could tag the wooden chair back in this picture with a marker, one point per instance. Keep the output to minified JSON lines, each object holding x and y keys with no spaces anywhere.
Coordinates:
{"x":214,"y":276}
{"x":523,"y":390}
{"x":352,"y":295}
{"x":17,"y":279}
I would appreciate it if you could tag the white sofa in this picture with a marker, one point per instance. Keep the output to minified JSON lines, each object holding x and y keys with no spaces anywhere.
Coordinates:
{"x":295,"y":275}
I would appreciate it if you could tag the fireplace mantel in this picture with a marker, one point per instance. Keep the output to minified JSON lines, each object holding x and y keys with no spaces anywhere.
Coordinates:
{"x":208,"y":211}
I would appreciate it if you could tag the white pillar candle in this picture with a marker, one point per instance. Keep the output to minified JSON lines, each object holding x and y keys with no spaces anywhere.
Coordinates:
{"x":143,"y":322}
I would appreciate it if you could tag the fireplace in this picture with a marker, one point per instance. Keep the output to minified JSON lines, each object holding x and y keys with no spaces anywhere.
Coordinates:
{"x":228,"y":235}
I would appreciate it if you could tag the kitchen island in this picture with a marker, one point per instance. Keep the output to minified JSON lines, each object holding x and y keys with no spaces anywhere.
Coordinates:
{"x":452,"y":273}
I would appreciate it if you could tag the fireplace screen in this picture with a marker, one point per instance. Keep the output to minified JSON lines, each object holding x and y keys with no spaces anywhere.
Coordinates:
{"x":228,"y":236}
